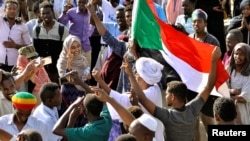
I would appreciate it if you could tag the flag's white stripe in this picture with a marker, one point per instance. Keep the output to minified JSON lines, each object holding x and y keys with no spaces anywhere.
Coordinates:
{"x":194,"y":79}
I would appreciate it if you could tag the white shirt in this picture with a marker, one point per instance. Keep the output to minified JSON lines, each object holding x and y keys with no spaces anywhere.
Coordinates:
{"x":7,"y":123}
{"x":48,"y":116}
{"x":57,"y":8}
{"x":5,"y":105}
{"x":239,"y":81}
{"x":18,"y":33}
{"x":109,"y":12}
{"x":153,"y":93}
{"x":31,"y":24}
{"x":187,"y":25}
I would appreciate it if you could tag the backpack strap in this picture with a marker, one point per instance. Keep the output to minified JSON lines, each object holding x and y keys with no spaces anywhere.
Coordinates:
{"x":38,"y":29}
{"x":61,"y":31}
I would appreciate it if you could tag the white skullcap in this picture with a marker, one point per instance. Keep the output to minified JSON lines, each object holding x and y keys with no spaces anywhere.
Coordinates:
{"x":148,"y":121}
{"x":149,"y":70}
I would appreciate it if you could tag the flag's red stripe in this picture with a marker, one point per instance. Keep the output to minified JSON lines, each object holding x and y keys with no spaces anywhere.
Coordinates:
{"x":195,"y":53}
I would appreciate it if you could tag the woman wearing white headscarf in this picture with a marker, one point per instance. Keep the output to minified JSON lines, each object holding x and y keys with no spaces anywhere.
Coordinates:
{"x":71,"y":58}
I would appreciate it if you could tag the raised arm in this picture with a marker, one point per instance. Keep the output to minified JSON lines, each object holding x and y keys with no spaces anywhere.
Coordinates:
{"x":102,"y":83}
{"x":60,"y":126}
{"x":77,"y":81}
{"x":100,"y":27}
{"x":126,"y":116}
{"x":148,"y":104}
{"x":212,"y":75}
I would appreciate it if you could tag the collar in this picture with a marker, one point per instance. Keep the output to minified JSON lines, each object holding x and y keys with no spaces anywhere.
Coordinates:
{"x":42,"y":24}
{"x":52,"y":112}
{"x":10,"y":119}
{"x":18,"y":20}
{"x":77,"y":10}
{"x":30,"y":121}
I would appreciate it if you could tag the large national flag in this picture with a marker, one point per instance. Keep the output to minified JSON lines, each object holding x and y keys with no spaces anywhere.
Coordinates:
{"x":190,"y":58}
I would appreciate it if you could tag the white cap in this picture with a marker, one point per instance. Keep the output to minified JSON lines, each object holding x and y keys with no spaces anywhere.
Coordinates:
{"x":148,"y":121}
{"x":149,"y":70}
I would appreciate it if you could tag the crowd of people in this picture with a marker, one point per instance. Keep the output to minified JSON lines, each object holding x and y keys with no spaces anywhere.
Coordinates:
{"x":70,"y":70}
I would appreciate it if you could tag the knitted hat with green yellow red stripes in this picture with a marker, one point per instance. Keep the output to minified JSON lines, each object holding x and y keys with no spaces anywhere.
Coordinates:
{"x":24,"y":100}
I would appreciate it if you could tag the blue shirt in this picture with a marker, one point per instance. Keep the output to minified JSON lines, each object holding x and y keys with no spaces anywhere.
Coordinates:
{"x":160,"y":12}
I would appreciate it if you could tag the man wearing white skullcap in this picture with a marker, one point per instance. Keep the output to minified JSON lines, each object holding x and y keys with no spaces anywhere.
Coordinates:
{"x":149,"y":73}
{"x":143,"y":128}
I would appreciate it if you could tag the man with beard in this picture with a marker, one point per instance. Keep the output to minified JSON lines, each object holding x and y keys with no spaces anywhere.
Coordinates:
{"x":9,"y":86}
{"x":48,"y":39}
{"x":8,"y":89}
{"x":238,"y":83}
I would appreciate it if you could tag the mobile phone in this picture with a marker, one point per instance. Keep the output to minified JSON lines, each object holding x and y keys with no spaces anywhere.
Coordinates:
{"x":47,"y":60}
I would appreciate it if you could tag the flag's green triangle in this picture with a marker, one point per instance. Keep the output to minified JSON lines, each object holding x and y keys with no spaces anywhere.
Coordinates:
{"x":145,"y":29}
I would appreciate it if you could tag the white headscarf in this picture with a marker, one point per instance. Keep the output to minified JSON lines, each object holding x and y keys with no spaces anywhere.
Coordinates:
{"x":79,"y":62}
{"x":149,"y":70}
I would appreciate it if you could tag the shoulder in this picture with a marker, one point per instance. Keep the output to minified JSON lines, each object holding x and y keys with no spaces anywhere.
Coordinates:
{"x":212,"y":40}
{"x":5,"y":118}
{"x":37,"y":123}
{"x":72,"y":10}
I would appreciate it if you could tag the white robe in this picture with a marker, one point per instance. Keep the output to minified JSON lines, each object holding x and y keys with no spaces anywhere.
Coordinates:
{"x":239,"y":81}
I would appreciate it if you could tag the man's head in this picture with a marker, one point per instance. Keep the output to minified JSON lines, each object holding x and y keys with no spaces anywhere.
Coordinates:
{"x":92,"y":105}
{"x":8,"y":85}
{"x":199,"y":18}
{"x":176,"y":91}
{"x":11,"y":8}
{"x":23,"y":103}
{"x":224,"y":110}
{"x":128,"y":14}
{"x":120,"y":18}
{"x":143,"y":128}
{"x":241,"y":59}
{"x":36,"y":10}
{"x":47,"y":12}
{"x":114,"y":3}
{"x":30,"y":135}
{"x":233,"y":37}
{"x":81,"y":5}
{"x":148,"y":70}
{"x":188,"y":6}
{"x":50,"y":94}
{"x":245,"y":8}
